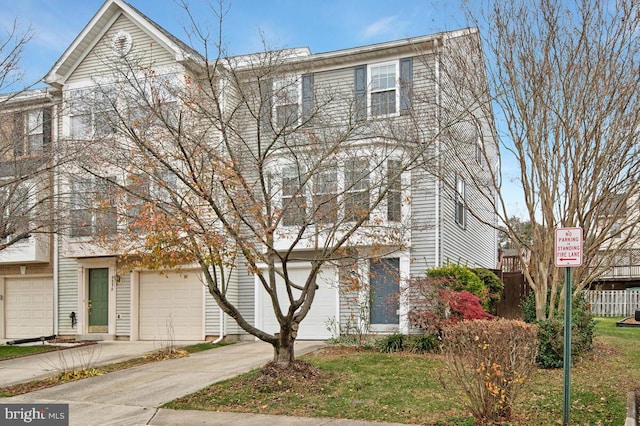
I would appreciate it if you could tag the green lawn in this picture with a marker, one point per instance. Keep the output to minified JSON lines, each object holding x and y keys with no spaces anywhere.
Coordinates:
{"x":410,"y":388}
{"x":7,"y":351}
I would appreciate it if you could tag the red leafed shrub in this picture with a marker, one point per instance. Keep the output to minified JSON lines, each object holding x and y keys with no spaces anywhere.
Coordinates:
{"x":464,"y":306}
{"x":434,"y":304}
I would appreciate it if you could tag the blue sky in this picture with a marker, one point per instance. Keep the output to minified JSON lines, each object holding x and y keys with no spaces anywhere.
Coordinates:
{"x":321,"y":25}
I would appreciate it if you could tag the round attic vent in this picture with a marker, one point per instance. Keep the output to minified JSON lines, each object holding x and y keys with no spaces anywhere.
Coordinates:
{"x":121,"y":43}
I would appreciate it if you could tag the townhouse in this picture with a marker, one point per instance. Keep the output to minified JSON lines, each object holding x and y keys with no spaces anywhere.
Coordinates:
{"x":390,"y":96}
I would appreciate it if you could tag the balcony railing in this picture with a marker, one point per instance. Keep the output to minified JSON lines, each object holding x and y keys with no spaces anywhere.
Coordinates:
{"x":621,"y":272}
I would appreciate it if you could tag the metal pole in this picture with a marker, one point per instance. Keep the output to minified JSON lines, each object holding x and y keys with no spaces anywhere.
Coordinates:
{"x":568,"y":290}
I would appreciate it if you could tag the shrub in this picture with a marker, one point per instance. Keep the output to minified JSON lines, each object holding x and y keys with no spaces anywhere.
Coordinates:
{"x":424,"y":343}
{"x":463,"y":278}
{"x":434,"y":304}
{"x":551,"y":334}
{"x":391,"y":343}
{"x":494,"y":285}
{"x":491,"y":361}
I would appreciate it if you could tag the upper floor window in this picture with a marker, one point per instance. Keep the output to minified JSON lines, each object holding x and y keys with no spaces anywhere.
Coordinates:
{"x":92,"y":112}
{"x":293,"y":198}
{"x":394,"y":190}
{"x":28,"y":131}
{"x":460,"y":202}
{"x":383,"y":89}
{"x":325,"y":188}
{"x":93,"y":209}
{"x":286,"y":102}
{"x":16,"y":211}
{"x":356,"y":189}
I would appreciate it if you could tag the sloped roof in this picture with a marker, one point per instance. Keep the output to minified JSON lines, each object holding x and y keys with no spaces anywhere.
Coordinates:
{"x":99,"y":25}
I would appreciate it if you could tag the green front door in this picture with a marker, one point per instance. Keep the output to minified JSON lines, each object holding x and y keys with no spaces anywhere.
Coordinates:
{"x":98,"y":300}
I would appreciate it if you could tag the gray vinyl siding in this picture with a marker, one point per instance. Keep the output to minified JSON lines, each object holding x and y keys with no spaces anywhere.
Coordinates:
{"x":144,"y":49}
{"x":423,"y":223}
{"x":212,"y":310}
{"x":473,"y":244}
{"x":123,"y":305}
{"x":67,"y":295}
{"x":246,"y":298}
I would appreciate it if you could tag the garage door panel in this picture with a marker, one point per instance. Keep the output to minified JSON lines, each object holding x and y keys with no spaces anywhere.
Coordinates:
{"x":324,"y":307}
{"x":170,"y":307}
{"x":28,"y":307}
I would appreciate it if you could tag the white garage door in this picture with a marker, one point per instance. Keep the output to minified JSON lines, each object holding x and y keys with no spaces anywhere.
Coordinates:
{"x":170,"y":307}
{"x":28,"y":307}
{"x":323,"y":310}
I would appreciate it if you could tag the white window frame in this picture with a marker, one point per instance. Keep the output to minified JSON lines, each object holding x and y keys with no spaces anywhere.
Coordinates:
{"x":82,"y":199}
{"x":460,"y":202}
{"x":90,"y":112}
{"x":283,"y":89}
{"x":21,"y":194}
{"x":354,"y":188}
{"x":371,"y":90}
{"x":291,"y":217}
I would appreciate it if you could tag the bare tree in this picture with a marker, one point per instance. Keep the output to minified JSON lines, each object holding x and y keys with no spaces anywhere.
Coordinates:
{"x":25,"y":147}
{"x":223,"y":167}
{"x":564,"y":79}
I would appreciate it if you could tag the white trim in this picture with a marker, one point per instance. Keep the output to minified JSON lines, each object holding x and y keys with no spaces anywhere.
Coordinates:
{"x":396,"y":63}
{"x":83,"y":292}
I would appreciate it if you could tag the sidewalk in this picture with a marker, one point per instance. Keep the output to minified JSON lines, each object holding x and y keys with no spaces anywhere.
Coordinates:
{"x":131,"y":397}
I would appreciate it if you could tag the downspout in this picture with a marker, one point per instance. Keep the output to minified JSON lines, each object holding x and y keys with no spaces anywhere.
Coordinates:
{"x":56,"y":295}
{"x":223,"y":100}
{"x":221,"y":330}
{"x":438,"y":183}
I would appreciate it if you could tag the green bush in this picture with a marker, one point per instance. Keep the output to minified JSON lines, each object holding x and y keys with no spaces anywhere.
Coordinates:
{"x":551,"y":333}
{"x":391,"y":343}
{"x":494,"y":285}
{"x":465,"y":279}
{"x":424,"y":343}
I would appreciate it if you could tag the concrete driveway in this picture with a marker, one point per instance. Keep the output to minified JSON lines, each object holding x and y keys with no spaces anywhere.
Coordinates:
{"x":131,"y":397}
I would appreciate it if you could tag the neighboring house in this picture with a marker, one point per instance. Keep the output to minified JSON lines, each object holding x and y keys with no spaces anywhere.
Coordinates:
{"x":27,"y":289}
{"x":443,"y":216}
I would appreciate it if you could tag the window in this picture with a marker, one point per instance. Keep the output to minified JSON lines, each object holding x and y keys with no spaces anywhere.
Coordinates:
{"x":394,"y":187}
{"x":14,"y":201}
{"x":138,"y":193}
{"x":165,"y":186}
{"x":460,"y":202}
{"x":325,"y":195}
{"x":30,"y":131}
{"x":382,"y":88}
{"x":616,"y":230}
{"x":356,"y":198}
{"x":92,"y":113}
{"x":293,"y":202}
{"x":286,"y":102}
{"x":93,"y":211}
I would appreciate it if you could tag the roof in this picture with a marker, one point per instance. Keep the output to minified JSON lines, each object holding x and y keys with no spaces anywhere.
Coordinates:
{"x":99,"y":25}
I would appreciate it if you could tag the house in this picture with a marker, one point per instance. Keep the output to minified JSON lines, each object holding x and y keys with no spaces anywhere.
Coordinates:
{"x":390,"y":96}
{"x":27,"y":289}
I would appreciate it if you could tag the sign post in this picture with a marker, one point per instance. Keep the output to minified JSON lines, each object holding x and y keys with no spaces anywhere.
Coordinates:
{"x":568,"y":253}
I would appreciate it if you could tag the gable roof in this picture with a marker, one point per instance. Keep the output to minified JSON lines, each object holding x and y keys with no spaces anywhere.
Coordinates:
{"x":99,"y":25}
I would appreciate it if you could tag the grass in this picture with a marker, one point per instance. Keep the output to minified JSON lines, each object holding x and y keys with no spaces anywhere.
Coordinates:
{"x":8,"y":351}
{"x":90,"y":371}
{"x":409,"y":388}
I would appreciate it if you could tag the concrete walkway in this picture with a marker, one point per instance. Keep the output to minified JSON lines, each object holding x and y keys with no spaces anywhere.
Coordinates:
{"x":131,"y":397}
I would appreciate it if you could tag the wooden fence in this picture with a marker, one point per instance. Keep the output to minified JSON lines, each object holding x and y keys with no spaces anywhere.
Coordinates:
{"x":613,"y":303}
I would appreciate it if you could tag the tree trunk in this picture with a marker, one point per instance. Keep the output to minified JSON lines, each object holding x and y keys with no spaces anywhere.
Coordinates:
{"x":283,"y":349}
